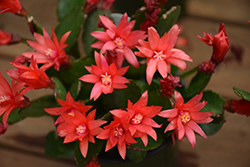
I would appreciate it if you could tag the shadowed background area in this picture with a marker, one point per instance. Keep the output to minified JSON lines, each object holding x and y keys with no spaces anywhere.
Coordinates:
{"x":23,"y":143}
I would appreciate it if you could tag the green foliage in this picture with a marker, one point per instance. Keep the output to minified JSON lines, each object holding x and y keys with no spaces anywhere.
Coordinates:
{"x":242,"y":94}
{"x":168,"y":19}
{"x":36,"y":109}
{"x":136,"y":155}
{"x":90,"y":26}
{"x":56,"y":148}
{"x":152,"y":144}
{"x":65,"y":6}
{"x":214,"y":104}
{"x":14,"y":117}
{"x":73,"y":22}
{"x":59,"y":91}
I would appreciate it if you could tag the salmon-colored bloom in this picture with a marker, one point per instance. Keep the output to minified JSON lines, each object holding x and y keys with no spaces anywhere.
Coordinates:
{"x":50,"y":52}
{"x":4,"y":38}
{"x":241,"y":106}
{"x":117,"y":133}
{"x":12,"y":6}
{"x":32,"y":76}
{"x":120,"y":38}
{"x":106,"y":78}
{"x":81,"y":127}
{"x":10,"y":97}
{"x":68,"y":107}
{"x":140,"y":122}
{"x":184,"y":118}
{"x":160,"y":53}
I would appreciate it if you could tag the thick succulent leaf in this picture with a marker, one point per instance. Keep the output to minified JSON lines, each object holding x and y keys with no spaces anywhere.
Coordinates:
{"x":155,"y":98}
{"x":75,"y":89}
{"x":14,"y":117}
{"x":119,"y":97}
{"x":90,"y":25}
{"x":152,"y":144}
{"x":136,"y":73}
{"x":65,"y":6}
{"x":93,"y":151}
{"x":139,"y":17}
{"x":168,"y":19}
{"x":71,"y":22}
{"x":55,"y":147}
{"x":76,"y":70}
{"x":215,"y":105}
{"x":136,"y":155}
{"x":36,"y":109}
{"x":59,"y":91}
{"x":198,"y":84}
{"x":242,"y":94}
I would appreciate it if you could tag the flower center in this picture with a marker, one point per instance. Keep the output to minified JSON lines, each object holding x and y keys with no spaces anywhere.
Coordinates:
{"x":137,"y":119}
{"x":4,"y":98}
{"x":185,"y":117}
{"x":106,"y":79}
{"x":81,"y":129}
{"x":50,"y":53}
{"x":72,"y":112}
{"x":120,"y":43}
{"x":159,"y":56}
{"x":118,"y":131}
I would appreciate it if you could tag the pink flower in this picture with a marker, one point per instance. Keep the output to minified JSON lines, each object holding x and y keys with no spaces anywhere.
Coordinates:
{"x":49,"y":52}
{"x":121,"y":38}
{"x":12,"y":6}
{"x":140,"y":122}
{"x":117,"y":133}
{"x":10,"y":97}
{"x":81,"y":127}
{"x":184,"y":117}
{"x":32,"y":76}
{"x":106,"y":78}
{"x":160,"y":53}
{"x":4,"y":38}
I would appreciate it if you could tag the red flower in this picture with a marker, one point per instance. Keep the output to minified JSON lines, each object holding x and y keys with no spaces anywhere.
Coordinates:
{"x":49,"y":52}
{"x":219,"y":42}
{"x":68,"y":107}
{"x":4,"y":38}
{"x":106,"y":78}
{"x":10,"y":98}
{"x":92,"y":164}
{"x":81,"y":127}
{"x":3,"y":128}
{"x":160,"y":53}
{"x":32,"y":76}
{"x":12,"y":6}
{"x":93,"y":4}
{"x":168,"y":84}
{"x":184,"y":117}
{"x":121,"y":38}
{"x":140,"y":122}
{"x":239,"y":106}
{"x":117,"y":133}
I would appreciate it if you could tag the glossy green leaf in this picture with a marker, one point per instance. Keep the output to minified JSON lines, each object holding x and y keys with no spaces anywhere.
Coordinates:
{"x":93,"y":150}
{"x":55,"y":147}
{"x":34,"y":26}
{"x":71,"y":22}
{"x":119,"y":97}
{"x":214,"y":102}
{"x":139,"y":18}
{"x":75,"y":89}
{"x":36,"y":109}
{"x":76,"y":70}
{"x":155,"y":98}
{"x":242,"y":94}
{"x":59,"y":91}
{"x":14,"y":117}
{"x":152,"y":144}
{"x":136,"y":73}
{"x":90,"y":26}
{"x":198,"y":83}
{"x":65,"y":6}
{"x":214,"y":126}
{"x":136,"y":155}
{"x":168,"y":19}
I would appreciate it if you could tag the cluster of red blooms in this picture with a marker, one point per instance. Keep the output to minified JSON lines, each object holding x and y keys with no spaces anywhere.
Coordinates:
{"x":77,"y":121}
